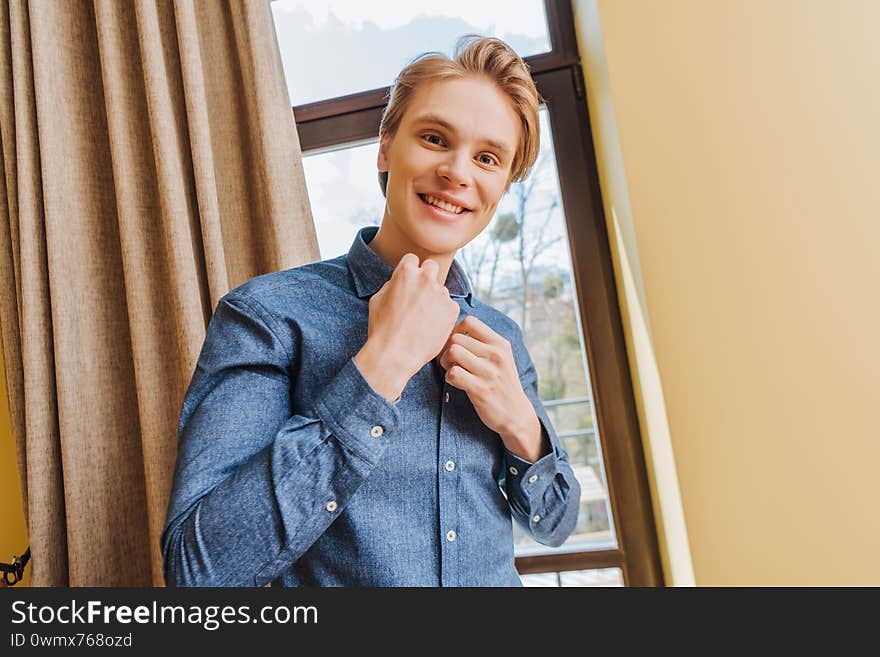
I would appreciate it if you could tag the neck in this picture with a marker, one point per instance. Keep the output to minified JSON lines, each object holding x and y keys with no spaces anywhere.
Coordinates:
{"x":391,"y":244}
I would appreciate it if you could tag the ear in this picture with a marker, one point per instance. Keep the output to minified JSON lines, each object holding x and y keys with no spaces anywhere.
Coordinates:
{"x":382,"y":159}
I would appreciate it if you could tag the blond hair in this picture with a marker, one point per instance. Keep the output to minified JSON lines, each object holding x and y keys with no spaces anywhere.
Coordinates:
{"x":474,"y":56}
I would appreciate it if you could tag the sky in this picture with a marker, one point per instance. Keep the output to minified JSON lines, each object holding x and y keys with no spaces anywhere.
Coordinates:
{"x":333,"y":48}
{"x":521,"y":16}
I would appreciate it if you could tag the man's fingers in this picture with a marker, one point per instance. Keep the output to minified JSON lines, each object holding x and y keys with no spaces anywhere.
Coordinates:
{"x":408,"y":259}
{"x":479,"y":330}
{"x":458,"y":355}
{"x":470,"y":343}
{"x":431,"y":268}
{"x":460,"y":378}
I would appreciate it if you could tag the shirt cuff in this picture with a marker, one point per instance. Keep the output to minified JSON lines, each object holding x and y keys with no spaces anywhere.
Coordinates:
{"x":526,"y":481}
{"x":362,"y":419}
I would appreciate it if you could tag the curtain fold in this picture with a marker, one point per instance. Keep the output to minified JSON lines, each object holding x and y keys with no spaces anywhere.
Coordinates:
{"x":151,"y":164}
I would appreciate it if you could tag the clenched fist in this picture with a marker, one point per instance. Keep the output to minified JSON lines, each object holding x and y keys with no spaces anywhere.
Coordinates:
{"x":411,"y":317}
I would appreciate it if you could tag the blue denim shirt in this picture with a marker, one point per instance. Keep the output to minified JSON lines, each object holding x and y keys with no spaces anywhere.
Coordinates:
{"x":291,"y":469}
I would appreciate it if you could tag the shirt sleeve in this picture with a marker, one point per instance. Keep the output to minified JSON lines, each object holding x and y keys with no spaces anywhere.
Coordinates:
{"x":544,"y":496}
{"x":256,"y":485}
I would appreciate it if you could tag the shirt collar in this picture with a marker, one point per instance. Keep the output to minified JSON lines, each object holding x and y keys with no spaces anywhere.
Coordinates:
{"x":370,"y":272}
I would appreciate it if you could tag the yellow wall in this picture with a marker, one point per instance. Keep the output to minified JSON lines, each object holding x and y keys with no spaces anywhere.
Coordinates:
{"x":739,"y":145}
{"x":13,"y":535}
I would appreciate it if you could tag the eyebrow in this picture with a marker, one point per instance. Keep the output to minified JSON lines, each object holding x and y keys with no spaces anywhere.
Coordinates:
{"x":438,"y":120}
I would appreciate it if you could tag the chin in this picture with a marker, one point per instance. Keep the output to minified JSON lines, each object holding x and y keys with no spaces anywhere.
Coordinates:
{"x":434,"y":237}
{"x":430,"y":240}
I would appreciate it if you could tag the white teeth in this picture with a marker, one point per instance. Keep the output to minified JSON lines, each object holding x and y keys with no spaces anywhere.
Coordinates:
{"x":431,"y":200}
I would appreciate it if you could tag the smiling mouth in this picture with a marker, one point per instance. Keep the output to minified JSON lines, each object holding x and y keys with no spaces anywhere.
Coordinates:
{"x":433,"y":201}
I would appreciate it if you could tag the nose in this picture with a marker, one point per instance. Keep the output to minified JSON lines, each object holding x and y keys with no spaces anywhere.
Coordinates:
{"x":454,"y":168}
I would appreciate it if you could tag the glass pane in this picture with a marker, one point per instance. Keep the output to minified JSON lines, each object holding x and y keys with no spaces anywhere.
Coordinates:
{"x":332,"y":48}
{"x":567,"y":578}
{"x":338,"y":216}
{"x":521,"y":265}
{"x":540,"y":579}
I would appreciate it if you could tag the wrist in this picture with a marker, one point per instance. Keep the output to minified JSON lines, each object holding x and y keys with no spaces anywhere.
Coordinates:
{"x":526,"y":439}
{"x":379,"y":368}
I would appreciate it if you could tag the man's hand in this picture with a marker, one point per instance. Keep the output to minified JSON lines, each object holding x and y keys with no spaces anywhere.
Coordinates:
{"x":480,"y":362}
{"x":411,"y":317}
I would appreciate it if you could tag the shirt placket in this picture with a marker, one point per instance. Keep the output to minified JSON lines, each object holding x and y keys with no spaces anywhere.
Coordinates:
{"x":449,"y":473}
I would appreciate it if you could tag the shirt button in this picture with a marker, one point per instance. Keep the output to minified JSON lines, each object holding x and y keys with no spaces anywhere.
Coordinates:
{"x":536,"y":518}
{"x":449,"y":465}
{"x":450,"y":535}
{"x":533,"y":479}
{"x":513,"y":470}
{"x":377,"y":431}
{"x":446,"y":397}
{"x":331,"y":506}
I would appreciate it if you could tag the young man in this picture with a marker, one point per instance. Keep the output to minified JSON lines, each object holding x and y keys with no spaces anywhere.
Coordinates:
{"x":364,"y":420}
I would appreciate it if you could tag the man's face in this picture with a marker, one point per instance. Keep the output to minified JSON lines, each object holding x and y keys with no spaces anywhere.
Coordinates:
{"x":454,"y":145}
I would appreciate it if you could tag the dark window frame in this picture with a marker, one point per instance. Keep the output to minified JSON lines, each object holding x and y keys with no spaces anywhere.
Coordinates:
{"x":355,"y":118}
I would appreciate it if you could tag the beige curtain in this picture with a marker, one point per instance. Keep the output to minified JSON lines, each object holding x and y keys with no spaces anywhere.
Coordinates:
{"x":150,"y":164}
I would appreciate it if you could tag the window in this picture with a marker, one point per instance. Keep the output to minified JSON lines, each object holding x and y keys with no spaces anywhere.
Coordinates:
{"x":544,"y":260}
